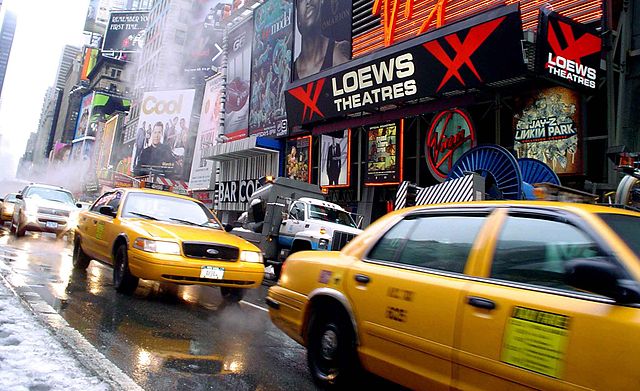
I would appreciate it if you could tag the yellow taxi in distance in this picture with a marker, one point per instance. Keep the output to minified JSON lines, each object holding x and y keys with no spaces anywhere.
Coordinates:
{"x":473,"y":296}
{"x":156,"y":235}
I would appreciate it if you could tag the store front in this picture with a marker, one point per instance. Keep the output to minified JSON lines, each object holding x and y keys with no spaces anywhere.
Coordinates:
{"x":413,"y":108}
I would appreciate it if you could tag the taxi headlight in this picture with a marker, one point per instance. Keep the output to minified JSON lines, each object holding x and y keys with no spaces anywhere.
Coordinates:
{"x":251,"y":256}
{"x":156,"y":246}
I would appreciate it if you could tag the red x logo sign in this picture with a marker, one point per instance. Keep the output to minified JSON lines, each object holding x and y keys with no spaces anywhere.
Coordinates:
{"x":464,"y":50}
{"x":304,"y":95}
{"x":576,"y":49}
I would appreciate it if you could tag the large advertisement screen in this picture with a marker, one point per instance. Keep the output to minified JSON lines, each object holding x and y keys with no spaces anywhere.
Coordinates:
{"x":126,"y":31}
{"x":83,"y":118}
{"x":91,"y":24}
{"x":208,"y":131}
{"x":236,"y":119}
{"x":203,"y":43}
{"x":161,"y":140}
{"x":548,"y":129}
{"x":335,"y":159}
{"x":322,"y":36}
{"x":384,"y":156}
{"x":271,"y":68}
{"x":298,"y":159}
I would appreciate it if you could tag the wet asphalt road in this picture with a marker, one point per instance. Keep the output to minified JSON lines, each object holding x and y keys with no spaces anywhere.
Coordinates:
{"x":165,"y":337}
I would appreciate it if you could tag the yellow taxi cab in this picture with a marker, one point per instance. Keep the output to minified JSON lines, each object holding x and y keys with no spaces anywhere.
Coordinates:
{"x":161,"y":236}
{"x":474,"y":296}
{"x":6,"y":207}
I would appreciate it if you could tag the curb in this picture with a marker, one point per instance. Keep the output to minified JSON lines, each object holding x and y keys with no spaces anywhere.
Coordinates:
{"x":81,"y":349}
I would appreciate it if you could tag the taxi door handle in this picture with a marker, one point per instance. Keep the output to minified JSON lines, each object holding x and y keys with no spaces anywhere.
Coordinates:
{"x":481,"y":303}
{"x":361,"y":278}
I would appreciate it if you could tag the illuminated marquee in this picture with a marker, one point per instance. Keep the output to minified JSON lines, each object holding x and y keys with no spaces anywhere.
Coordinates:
{"x":404,"y":19}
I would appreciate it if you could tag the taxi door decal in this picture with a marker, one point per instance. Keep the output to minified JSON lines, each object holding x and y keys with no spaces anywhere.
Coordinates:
{"x":536,"y":341}
{"x":100,"y":230}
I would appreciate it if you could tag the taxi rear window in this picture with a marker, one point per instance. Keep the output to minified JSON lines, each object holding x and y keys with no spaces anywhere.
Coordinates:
{"x":626,"y":227}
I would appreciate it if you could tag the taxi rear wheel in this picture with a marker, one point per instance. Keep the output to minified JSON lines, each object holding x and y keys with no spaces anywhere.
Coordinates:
{"x":80,"y":259}
{"x":232,"y":295}
{"x":123,"y":280}
{"x":331,"y":349}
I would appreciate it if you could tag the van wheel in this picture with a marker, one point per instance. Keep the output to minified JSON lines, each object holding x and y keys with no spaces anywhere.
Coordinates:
{"x":232,"y":295}
{"x":331,"y":349}
{"x":80,"y":259}
{"x":123,"y":280}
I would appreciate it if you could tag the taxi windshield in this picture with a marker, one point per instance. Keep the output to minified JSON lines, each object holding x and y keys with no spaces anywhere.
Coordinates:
{"x":169,"y":209}
{"x":50,"y":195}
{"x":331,"y":215}
{"x":626,"y":227}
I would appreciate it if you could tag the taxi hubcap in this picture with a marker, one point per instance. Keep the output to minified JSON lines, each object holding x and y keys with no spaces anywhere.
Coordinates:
{"x":329,"y":344}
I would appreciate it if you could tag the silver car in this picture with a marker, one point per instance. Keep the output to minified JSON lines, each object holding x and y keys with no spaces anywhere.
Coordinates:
{"x":44,"y":208}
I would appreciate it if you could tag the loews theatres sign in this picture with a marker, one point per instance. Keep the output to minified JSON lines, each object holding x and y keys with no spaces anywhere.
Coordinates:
{"x":568,"y":52}
{"x":456,"y":57}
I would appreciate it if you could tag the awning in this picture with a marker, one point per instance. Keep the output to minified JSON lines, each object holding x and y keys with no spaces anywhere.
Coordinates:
{"x":248,"y":147}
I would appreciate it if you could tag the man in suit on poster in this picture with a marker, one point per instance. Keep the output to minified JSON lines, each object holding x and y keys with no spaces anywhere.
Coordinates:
{"x":334,"y":162}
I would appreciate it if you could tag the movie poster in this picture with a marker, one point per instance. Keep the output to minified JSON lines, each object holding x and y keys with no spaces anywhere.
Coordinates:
{"x":322,"y":26}
{"x":298,"y":158}
{"x":384,"y":154}
{"x":105,"y":144}
{"x":548,"y":129}
{"x":208,"y":131}
{"x":163,"y":133}
{"x":271,"y":68}
{"x":203,"y":41}
{"x":335,"y":159}
{"x":83,"y":117}
{"x":126,"y":31}
{"x":236,"y":119}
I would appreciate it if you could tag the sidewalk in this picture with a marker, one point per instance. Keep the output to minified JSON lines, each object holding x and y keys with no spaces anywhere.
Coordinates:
{"x":39,"y":351}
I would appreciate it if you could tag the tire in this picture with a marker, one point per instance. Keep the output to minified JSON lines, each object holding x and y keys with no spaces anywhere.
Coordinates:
{"x":331,"y":349}
{"x":123,"y":280}
{"x":232,"y":295}
{"x":80,"y":259}
{"x":625,"y":189}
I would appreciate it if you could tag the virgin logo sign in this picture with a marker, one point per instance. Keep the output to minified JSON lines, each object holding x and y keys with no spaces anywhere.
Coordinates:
{"x":450,"y":135}
{"x":389,"y":10}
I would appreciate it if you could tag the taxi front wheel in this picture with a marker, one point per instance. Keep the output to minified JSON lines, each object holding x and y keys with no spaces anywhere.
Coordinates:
{"x":331,"y":349}
{"x":123,"y":280}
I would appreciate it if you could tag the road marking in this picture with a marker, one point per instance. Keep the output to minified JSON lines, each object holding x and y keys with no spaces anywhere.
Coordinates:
{"x":254,"y":305}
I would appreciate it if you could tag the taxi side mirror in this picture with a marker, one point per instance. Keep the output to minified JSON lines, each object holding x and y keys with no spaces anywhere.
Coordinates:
{"x":603,"y":278}
{"x":107,"y":210}
{"x":228,"y":227}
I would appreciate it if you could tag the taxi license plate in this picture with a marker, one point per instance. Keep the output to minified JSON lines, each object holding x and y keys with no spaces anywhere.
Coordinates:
{"x":52,"y":224}
{"x":214,"y":273}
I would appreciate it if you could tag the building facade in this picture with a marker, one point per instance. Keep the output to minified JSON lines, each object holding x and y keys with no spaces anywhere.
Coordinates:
{"x":6,"y":41}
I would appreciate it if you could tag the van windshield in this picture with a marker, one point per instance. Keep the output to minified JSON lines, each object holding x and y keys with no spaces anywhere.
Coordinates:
{"x":331,"y":215}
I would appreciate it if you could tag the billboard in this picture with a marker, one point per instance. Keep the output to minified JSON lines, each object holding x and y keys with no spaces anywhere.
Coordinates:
{"x":208,"y":131}
{"x":298,"y":158}
{"x":568,"y":52}
{"x":83,"y":118}
{"x":91,"y":22}
{"x":203,"y":44}
{"x":335,"y":159}
{"x":487,"y":49}
{"x":322,"y":26}
{"x":161,"y":140}
{"x":384,"y":156}
{"x":270,"y":67}
{"x":548,"y":129}
{"x":126,"y":31}
{"x":104,"y":143}
{"x":89,"y":62}
{"x":236,"y":119}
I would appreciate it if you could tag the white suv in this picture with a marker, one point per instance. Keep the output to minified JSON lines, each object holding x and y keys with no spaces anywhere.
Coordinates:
{"x":44,"y":208}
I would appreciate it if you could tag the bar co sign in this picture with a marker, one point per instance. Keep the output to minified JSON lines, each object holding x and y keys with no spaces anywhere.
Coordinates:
{"x":237,"y":191}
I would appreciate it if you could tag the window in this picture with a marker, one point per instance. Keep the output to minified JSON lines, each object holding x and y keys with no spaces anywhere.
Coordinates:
{"x":387,"y":248}
{"x":441,"y":242}
{"x":114,"y":201}
{"x":626,"y":227}
{"x":115,"y":73}
{"x":534,"y":251}
{"x":297,"y":211}
{"x":101,"y":202}
{"x":45,"y":193}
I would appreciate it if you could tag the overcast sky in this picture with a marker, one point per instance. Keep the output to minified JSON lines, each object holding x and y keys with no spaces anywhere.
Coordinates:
{"x":44,"y":27}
